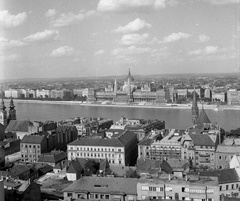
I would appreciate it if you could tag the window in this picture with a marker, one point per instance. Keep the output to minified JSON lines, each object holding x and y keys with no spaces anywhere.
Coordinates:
{"x":92,"y":196}
{"x":144,"y":188}
{"x":220,"y":157}
{"x":232,"y":186}
{"x":96,"y":196}
{"x":220,"y":188}
{"x":119,"y":150}
{"x":107,"y":197}
{"x":152,"y":188}
{"x":69,"y":194}
{"x":226,"y":187}
{"x":30,"y":146}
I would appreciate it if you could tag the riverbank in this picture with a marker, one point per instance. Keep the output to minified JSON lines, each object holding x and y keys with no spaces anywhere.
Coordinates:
{"x":146,"y":105}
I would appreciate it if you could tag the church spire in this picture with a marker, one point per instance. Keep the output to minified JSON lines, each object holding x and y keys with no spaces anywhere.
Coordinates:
{"x":195,"y":111}
{"x":3,"y":114}
{"x":12,"y":111}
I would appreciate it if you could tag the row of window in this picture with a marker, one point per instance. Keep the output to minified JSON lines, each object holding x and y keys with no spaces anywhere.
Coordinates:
{"x":30,"y":151}
{"x":96,"y":155}
{"x":95,"y":149}
{"x":30,"y":146}
{"x":228,"y":187}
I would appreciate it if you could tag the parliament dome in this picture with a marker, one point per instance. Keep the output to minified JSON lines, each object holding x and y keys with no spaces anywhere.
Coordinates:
{"x":129,"y":77}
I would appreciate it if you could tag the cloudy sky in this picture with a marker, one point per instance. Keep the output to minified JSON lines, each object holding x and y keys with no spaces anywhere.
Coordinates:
{"x":81,"y":38}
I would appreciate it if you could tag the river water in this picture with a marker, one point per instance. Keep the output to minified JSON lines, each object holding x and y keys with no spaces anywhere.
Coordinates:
{"x":174,"y":118}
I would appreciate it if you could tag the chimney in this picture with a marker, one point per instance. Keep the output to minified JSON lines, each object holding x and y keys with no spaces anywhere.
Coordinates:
{"x":169,"y":177}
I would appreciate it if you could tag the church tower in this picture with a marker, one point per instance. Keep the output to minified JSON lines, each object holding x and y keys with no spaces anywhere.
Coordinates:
{"x":12,"y":111}
{"x":3,"y":114}
{"x":195,"y":112}
{"x":115,"y":86}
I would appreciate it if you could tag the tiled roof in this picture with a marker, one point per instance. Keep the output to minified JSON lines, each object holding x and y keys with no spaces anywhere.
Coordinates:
{"x":147,"y":165}
{"x":16,"y":125}
{"x":224,"y":175}
{"x":121,"y":141}
{"x":18,"y":169}
{"x":177,"y":163}
{"x":201,"y":140}
{"x":228,"y":149}
{"x":74,"y":167}
{"x":202,"y":119}
{"x":52,"y":157}
{"x":127,"y":186}
{"x":33,"y":139}
{"x":146,"y":142}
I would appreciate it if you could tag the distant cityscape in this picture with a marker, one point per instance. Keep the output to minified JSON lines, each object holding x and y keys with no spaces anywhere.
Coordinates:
{"x":218,"y":89}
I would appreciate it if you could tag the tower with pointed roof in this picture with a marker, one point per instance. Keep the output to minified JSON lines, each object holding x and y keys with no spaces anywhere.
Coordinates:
{"x":195,"y":111}
{"x":12,"y":111}
{"x":3,"y":114}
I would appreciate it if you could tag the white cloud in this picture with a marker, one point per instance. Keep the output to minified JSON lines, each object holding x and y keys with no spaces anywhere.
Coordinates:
{"x":176,"y":37}
{"x":62,"y":51}
{"x":133,"y":39}
{"x":133,"y":26}
{"x":10,"y":58}
{"x":118,"y":5}
{"x":206,"y":50}
{"x":67,"y":19}
{"x":50,"y":13}
{"x":210,"y":49}
{"x":46,"y":35}
{"x":99,"y":52}
{"x":203,"y":38}
{"x":131,"y":50}
{"x":8,"y":20}
{"x":223,"y":2}
{"x":7,"y":44}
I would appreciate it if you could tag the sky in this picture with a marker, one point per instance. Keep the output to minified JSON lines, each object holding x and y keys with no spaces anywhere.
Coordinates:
{"x":91,"y":38}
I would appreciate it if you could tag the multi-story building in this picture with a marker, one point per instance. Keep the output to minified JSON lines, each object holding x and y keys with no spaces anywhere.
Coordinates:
{"x":142,"y":127}
{"x":219,"y":96}
{"x":102,"y":188}
{"x":43,"y":93}
{"x":120,"y":149}
{"x":194,"y":189}
{"x":233,"y":97}
{"x":199,"y":149}
{"x":168,"y":147}
{"x":57,"y":94}
{"x":32,"y":146}
{"x":228,"y":179}
{"x":14,"y":93}
{"x":224,"y":154}
{"x":145,"y":144}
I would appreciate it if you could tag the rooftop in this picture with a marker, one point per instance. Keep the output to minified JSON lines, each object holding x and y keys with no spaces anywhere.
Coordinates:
{"x":127,"y":186}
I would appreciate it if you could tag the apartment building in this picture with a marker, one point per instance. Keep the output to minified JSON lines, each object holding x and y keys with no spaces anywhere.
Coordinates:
{"x":32,"y":146}
{"x":120,"y":149}
{"x":191,"y":188}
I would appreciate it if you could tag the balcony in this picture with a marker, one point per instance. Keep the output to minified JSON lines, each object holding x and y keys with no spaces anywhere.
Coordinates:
{"x":204,"y":155}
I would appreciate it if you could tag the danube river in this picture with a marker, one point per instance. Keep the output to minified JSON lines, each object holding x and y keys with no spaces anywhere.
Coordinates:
{"x":174,"y":118}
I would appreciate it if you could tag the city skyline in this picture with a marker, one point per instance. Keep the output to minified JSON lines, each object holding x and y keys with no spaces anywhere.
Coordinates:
{"x":80,"y":38}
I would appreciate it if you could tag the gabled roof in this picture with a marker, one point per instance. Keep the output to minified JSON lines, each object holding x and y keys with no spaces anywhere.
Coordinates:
{"x":201,"y":140}
{"x":18,"y":169}
{"x":17,"y":125}
{"x":224,"y":175}
{"x":108,"y":185}
{"x":120,"y":141}
{"x":148,"y":165}
{"x":33,"y":139}
{"x":52,"y":157}
{"x":228,"y":149}
{"x":74,"y":167}
{"x":202,"y":119}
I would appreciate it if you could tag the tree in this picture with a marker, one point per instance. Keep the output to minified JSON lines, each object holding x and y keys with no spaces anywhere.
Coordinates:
{"x":132,"y":173}
{"x":91,"y":167}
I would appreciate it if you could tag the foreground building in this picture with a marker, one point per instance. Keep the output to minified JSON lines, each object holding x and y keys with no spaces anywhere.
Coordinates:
{"x":102,"y":188}
{"x":120,"y":149}
{"x":205,"y":188}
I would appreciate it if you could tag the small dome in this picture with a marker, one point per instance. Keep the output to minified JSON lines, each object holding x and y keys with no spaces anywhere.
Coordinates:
{"x":129,"y":77}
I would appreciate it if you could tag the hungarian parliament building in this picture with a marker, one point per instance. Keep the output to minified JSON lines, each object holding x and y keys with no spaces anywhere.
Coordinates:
{"x":130,"y":93}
